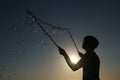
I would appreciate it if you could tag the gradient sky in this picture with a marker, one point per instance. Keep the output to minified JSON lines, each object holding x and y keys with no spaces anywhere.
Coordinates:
{"x":20,"y":59}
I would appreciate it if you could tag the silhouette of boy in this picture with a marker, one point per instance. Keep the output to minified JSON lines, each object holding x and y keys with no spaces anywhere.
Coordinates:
{"x":89,"y":61}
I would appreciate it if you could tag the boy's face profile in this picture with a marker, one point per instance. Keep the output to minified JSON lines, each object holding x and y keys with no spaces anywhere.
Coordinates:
{"x":90,"y":43}
{"x":85,"y":45}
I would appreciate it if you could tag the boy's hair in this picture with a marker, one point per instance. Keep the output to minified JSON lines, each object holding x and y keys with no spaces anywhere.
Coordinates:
{"x":91,"y":42}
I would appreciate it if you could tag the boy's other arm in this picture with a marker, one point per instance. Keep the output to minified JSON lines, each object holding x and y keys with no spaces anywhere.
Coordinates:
{"x":73,"y":66}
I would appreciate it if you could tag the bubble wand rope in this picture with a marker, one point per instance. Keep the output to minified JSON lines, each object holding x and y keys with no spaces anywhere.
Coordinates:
{"x":34,"y":19}
{"x":72,"y":39}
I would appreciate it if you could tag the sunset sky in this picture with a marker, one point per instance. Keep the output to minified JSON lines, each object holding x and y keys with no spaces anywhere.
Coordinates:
{"x":26,"y":53}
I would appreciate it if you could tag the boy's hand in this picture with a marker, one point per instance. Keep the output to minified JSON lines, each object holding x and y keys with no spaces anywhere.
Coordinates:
{"x":80,"y":54}
{"x":61,"y":51}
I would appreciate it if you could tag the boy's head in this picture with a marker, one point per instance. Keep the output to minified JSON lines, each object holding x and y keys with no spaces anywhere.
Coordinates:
{"x":90,"y":43}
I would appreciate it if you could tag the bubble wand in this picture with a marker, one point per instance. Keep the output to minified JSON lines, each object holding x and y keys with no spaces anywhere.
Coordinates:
{"x":38,"y":22}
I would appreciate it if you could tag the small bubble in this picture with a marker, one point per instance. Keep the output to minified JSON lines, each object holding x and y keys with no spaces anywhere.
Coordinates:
{"x":33,"y":19}
{"x":41,"y":41}
{"x":4,"y":67}
{"x":12,"y":54}
{"x":54,"y":32}
{"x":12,"y":27}
{"x":9,"y":77}
{"x":24,"y":17}
{"x":21,"y":41}
{"x":1,"y":76}
{"x":23,"y":33}
{"x":14,"y":73}
{"x":35,"y":31}
{"x":47,"y":30}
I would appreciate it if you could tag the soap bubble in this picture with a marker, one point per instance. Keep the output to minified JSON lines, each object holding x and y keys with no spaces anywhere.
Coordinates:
{"x":12,"y":27}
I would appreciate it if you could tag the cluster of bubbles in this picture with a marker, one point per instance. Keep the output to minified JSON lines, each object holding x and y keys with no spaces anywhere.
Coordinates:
{"x":7,"y":76}
{"x":12,"y":27}
{"x":30,"y":25}
{"x":4,"y":75}
{"x":14,"y":52}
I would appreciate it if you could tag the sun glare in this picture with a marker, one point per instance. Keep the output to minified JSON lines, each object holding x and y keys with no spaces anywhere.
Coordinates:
{"x":74,"y":59}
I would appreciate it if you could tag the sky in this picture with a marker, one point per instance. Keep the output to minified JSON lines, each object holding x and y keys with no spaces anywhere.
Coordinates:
{"x":26,"y":53}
